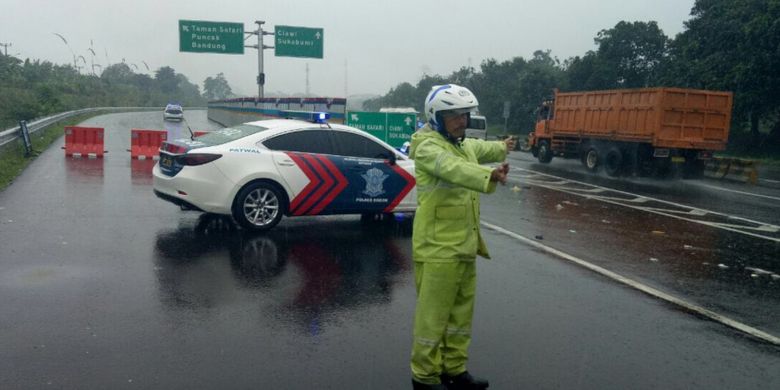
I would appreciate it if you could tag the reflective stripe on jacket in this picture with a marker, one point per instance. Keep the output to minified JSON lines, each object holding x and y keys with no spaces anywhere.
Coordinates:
{"x":449,"y":179}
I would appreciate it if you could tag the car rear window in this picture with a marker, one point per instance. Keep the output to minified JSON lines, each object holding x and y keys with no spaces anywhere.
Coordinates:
{"x":173,"y":111}
{"x":229,"y":134}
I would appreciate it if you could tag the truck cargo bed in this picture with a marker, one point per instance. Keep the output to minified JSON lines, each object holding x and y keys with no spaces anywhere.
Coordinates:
{"x":663,"y":117}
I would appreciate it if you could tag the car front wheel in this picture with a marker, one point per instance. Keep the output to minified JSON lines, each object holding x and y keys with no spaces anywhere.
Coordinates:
{"x":259,"y":206}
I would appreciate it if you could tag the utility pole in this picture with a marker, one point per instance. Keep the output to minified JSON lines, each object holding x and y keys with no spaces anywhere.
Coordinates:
{"x":5,"y":45}
{"x":260,"y":47}
{"x":307,"y":79}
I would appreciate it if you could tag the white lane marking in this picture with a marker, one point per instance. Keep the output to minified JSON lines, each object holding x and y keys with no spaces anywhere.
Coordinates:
{"x":766,"y":227}
{"x":740,"y":192}
{"x":770,"y":181}
{"x":641,"y":287}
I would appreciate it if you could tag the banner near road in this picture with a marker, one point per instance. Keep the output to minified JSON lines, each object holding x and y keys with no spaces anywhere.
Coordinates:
{"x":198,"y":36}
{"x":293,"y":41}
{"x":393,"y":128}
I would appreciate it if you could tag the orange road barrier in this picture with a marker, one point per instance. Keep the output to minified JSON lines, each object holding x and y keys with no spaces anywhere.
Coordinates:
{"x":145,"y":144}
{"x":84,"y":141}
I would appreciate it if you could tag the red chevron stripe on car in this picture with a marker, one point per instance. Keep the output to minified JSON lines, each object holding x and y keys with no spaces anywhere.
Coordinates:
{"x":314,"y":181}
{"x":341,"y":183}
{"x":326,"y":183}
{"x":410,"y":182}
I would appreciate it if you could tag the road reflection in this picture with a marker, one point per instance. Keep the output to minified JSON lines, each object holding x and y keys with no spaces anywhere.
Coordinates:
{"x":306,"y":271}
{"x":141,"y":171}
{"x":84,"y":170}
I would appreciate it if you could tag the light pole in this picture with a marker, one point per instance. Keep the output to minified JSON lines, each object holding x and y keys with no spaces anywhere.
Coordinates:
{"x":260,"y":47}
{"x":5,"y":46}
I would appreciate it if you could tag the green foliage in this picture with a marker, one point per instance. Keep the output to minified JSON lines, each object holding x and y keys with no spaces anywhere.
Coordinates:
{"x":629,"y":55}
{"x":166,"y":79}
{"x":33,"y":89}
{"x":12,"y":158}
{"x":216,"y":88}
{"x":728,"y":45}
{"x":522,"y":83}
{"x":734,"y":45}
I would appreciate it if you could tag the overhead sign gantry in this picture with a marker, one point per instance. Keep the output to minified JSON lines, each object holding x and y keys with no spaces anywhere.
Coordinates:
{"x":198,"y":36}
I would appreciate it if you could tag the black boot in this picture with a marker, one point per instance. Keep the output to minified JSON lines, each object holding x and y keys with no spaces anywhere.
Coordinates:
{"x":464,"y":381}
{"x":422,"y":386}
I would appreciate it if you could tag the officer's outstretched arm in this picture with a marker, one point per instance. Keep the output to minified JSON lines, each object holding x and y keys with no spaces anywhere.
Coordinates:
{"x":489,"y":151}
{"x":452,"y":169}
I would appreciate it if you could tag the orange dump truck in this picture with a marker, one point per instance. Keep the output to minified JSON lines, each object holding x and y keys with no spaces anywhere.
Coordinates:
{"x":642,"y":131}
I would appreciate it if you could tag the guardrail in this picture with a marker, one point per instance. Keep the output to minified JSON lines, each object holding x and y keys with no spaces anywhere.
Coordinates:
{"x":9,"y":135}
{"x":733,"y":169}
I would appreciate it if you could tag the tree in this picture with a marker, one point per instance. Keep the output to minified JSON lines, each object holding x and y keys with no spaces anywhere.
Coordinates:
{"x":732,"y":45}
{"x":189,"y":93}
{"x":634,"y":50}
{"x":587,"y":73}
{"x":166,"y":79}
{"x":216,"y":88}
{"x":118,"y":74}
{"x":34,"y":88}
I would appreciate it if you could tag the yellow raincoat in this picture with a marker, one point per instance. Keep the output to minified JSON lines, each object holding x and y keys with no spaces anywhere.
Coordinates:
{"x":446,"y":241}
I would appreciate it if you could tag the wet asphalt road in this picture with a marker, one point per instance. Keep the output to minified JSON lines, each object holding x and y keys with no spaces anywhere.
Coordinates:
{"x":105,"y":286}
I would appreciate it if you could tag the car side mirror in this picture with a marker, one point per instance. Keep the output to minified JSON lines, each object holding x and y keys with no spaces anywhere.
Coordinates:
{"x":392,"y":159}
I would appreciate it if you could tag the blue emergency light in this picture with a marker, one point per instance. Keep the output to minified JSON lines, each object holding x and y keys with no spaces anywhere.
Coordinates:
{"x":310,"y":116}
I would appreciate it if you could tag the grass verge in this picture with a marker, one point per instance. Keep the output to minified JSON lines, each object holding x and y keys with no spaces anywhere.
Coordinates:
{"x":12,"y":159}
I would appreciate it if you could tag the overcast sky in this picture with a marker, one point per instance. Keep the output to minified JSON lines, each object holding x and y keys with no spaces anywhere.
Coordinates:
{"x":369,"y":46}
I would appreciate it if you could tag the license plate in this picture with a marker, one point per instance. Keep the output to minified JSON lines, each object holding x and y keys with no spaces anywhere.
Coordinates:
{"x":678,"y":159}
{"x":166,"y":161}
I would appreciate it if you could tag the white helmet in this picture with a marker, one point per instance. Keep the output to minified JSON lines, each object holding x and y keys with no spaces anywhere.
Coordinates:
{"x":448,"y":98}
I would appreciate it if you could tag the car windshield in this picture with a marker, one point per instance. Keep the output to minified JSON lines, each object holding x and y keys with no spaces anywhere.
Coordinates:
{"x":230,"y":134}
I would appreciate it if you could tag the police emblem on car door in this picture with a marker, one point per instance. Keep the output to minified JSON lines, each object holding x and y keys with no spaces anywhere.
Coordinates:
{"x":374,"y":178}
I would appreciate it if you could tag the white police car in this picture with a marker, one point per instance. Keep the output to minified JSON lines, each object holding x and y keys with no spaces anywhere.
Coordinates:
{"x":259,"y":171}
{"x":173,"y":112}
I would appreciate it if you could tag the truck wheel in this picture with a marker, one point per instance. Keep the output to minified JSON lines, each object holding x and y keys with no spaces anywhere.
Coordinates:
{"x":545,"y":154}
{"x":591,"y":160}
{"x":613,"y":162}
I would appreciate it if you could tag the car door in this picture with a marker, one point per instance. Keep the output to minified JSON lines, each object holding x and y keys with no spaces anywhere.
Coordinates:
{"x":373,"y":183}
{"x":300,"y":160}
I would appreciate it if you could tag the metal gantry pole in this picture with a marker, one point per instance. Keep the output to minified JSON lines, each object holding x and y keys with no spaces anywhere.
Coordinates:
{"x":260,"y":47}
{"x":260,"y":74}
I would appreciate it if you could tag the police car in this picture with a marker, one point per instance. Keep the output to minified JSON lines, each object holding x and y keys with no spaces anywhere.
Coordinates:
{"x":173,"y":112}
{"x":260,"y":171}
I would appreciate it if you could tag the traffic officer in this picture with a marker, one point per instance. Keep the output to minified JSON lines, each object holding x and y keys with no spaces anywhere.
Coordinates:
{"x":446,"y":236}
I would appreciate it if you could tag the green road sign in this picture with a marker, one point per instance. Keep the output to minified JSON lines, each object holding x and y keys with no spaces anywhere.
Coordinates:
{"x":393,"y":128}
{"x":298,"y":42}
{"x":198,"y":36}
